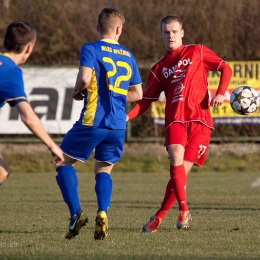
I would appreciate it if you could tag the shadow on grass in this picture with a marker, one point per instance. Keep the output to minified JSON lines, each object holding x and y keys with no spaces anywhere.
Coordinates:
{"x":148,"y":204}
{"x":128,"y":256}
{"x":19,"y":232}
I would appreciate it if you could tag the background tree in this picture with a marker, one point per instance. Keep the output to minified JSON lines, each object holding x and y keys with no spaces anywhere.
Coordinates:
{"x":230,"y":28}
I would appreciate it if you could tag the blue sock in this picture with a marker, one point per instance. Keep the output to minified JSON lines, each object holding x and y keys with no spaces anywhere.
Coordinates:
{"x":68,"y":183}
{"x":103,"y":188}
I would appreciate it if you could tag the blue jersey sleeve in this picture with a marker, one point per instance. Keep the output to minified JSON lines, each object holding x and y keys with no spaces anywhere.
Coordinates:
{"x":12,"y":88}
{"x":136,"y":77}
{"x":87,"y":55}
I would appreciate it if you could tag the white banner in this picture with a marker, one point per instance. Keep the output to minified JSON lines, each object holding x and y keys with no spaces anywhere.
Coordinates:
{"x":49,"y":91}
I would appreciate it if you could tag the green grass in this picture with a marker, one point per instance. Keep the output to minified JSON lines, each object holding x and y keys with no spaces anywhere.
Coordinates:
{"x":225,"y":210}
{"x":40,"y":163}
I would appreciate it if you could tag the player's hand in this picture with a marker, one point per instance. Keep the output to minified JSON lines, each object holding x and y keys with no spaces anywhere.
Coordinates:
{"x":56,"y":151}
{"x":217,"y":100}
{"x":78,"y":95}
{"x":127,"y":118}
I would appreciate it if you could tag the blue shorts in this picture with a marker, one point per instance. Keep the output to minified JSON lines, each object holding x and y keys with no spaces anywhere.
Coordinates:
{"x":80,"y":141}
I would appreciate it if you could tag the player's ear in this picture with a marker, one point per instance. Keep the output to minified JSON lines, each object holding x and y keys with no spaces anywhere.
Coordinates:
{"x":29,"y":48}
{"x":182,"y":33}
{"x":119,"y":30}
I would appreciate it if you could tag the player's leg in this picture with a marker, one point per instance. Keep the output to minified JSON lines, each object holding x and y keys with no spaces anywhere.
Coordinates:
{"x":107,"y":153}
{"x":195,"y":153}
{"x":155,"y":221}
{"x":68,"y":183}
{"x":187,"y":165}
{"x":168,"y":201}
{"x":179,"y":182}
{"x":4,"y":170}
{"x":178,"y":174}
{"x":77,"y":145}
{"x":103,"y":189}
{"x":104,"y":185}
{"x":176,"y":140}
{"x":170,"y":196}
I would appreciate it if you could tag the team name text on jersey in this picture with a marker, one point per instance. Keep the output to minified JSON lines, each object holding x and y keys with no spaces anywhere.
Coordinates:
{"x":116,"y":51}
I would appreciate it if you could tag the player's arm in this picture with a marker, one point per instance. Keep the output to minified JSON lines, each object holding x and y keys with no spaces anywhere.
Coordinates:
{"x":32,"y":121}
{"x":139,"y":108}
{"x":135,"y":93}
{"x":82,"y":81}
{"x":225,"y":77}
{"x":151,"y":94}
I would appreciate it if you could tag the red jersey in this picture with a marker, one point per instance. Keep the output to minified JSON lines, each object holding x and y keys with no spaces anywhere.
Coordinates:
{"x":182,"y":75}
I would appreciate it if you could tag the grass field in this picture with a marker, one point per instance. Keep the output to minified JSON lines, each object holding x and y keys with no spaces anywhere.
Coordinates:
{"x":224,"y":206}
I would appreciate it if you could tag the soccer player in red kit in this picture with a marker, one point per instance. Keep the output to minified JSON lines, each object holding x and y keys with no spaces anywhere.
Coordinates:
{"x":182,"y":74}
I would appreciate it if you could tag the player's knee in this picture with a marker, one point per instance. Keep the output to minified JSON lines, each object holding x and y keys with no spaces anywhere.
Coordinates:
{"x":4,"y":170}
{"x":176,"y":159}
{"x":176,"y":154}
{"x":3,"y":174}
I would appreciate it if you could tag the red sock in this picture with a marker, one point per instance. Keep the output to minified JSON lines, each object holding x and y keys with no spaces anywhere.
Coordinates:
{"x":179,"y":182}
{"x":168,"y":201}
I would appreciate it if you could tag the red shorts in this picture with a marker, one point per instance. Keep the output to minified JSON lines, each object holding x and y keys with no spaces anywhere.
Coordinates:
{"x":193,"y":136}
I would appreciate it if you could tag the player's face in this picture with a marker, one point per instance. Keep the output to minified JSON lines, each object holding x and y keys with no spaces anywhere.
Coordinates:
{"x":171,"y":35}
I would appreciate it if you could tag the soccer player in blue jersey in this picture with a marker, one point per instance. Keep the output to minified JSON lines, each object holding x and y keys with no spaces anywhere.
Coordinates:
{"x":18,"y":44}
{"x":108,"y":78}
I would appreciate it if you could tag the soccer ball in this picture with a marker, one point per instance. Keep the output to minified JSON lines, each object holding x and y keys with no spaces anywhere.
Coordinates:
{"x":244,"y":100}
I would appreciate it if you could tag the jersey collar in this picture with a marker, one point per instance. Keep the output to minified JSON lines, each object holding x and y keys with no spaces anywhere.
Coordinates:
{"x":110,"y":41}
{"x":6,"y":54}
{"x":173,"y":52}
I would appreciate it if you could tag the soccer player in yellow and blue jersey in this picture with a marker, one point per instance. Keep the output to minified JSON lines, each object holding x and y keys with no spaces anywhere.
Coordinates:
{"x":108,"y":78}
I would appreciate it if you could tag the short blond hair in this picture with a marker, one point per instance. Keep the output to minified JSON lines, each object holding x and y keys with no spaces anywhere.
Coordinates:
{"x":170,"y":18}
{"x":108,"y":19}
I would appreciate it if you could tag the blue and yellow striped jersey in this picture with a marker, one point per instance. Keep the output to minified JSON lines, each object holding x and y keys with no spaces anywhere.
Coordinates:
{"x":114,"y":71}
